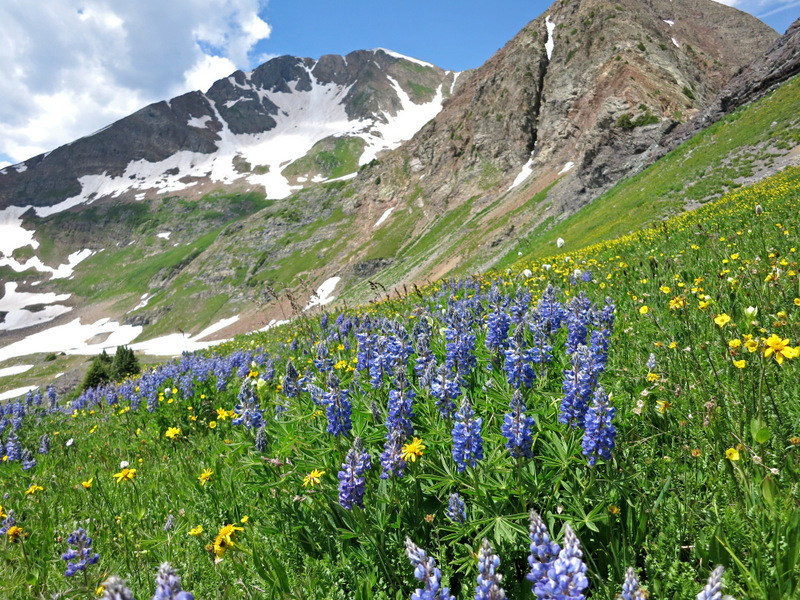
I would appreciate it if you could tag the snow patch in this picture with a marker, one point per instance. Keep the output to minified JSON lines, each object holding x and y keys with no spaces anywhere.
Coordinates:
{"x":669,"y":22}
{"x":18,"y":392}
{"x":15,"y":370}
{"x":60,"y":272}
{"x":200,"y":122}
{"x":384,"y":216}
{"x":551,"y":42}
{"x":674,"y":41}
{"x":566,"y":167}
{"x":21,"y":168}
{"x":404,"y":57}
{"x":323,"y":294}
{"x":14,"y":300}
{"x":165,"y":235}
{"x":274,"y":323}
{"x":218,"y":326}
{"x":22,"y":318}
{"x":12,"y":234}
{"x":143,"y":302}
{"x":526,"y":171}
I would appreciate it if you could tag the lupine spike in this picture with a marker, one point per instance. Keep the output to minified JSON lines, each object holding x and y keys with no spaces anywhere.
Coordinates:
{"x":489,"y":579}
{"x":712,"y":589}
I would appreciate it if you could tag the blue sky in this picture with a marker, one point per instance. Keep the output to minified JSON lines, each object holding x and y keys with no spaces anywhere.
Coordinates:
{"x":71,"y":67}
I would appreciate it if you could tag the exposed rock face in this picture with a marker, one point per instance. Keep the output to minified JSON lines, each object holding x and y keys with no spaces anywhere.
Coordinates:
{"x":778,"y":64}
{"x":237,"y":113}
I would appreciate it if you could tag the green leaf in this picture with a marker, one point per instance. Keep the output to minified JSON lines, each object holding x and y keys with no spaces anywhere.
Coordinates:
{"x":762,"y":435}
{"x":769,"y":489}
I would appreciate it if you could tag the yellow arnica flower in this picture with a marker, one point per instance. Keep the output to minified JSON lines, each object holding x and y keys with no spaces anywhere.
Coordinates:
{"x":14,"y":532}
{"x":224,"y":540}
{"x":663,"y":406}
{"x":222,"y":414}
{"x":412,"y":450}
{"x":173,"y":432}
{"x":313,"y":478}
{"x":87,"y":484}
{"x":125,"y":475}
{"x":779,"y":348}
{"x":195,"y":531}
{"x":732,"y":454}
{"x":722,"y":320}
{"x":33,"y":489}
{"x":205,"y":476}
{"x":751,"y":345}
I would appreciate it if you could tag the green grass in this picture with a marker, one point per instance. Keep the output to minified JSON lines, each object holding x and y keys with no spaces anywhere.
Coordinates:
{"x":331,"y":158}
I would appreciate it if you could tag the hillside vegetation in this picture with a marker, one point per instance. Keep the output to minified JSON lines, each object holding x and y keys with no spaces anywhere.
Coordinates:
{"x":639,"y":392}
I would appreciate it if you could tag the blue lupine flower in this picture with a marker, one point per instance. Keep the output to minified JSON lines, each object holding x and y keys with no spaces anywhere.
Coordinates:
{"x":599,"y":434}
{"x":425,"y":570}
{"x":517,"y":428}
{"x":586,"y":276}
{"x":630,"y":588}
{"x":323,"y":362}
{"x":578,"y":315}
{"x":352,"y":483}
{"x":497,"y":326}
{"x":80,"y":554}
{"x":114,"y":588}
{"x":261,"y":443}
{"x":713,"y":589}
{"x":467,"y":440}
{"x":543,"y":550}
{"x":445,"y":389}
{"x":18,"y":415}
{"x":168,"y":585}
{"x":577,"y":388}
{"x":28,"y":462}
{"x":401,"y":410}
{"x":651,"y":362}
{"x":8,"y":522}
{"x":337,"y":408}
{"x":456,"y":509}
{"x":518,"y":361}
{"x":489,"y":579}
{"x":13,"y":449}
{"x":392,"y":461}
{"x":248,"y":409}
{"x":460,"y":348}
{"x":44,"y":444}
{"x":566,"y":577}
{"x":290,"y":385}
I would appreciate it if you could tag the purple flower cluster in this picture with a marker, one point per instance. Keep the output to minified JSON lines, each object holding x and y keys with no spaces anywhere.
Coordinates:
{"x":566,"y":575}
{"x":337,"y":408}
{"x":467,"y":440}
{"x":518,"y":428}
{"x":489,"y":580}
{"x":543,"y":550}
{"x":426,"y":571}
{"x":352,"y":483}
{"x":456,"y":509}
{"x":80,"y":555}
{"x":599,"y":434}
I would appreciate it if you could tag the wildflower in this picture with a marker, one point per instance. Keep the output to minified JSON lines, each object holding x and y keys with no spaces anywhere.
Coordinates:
{"x":87,"y":484}
{"x":261,"y":439}
{"x":114,"y":588}
{"x":664,"y":289}
{"x":13,"y":448}
{"x":44,"y":444}
{"x":168,"y":585}
{"x":313,"y":478}
{"x":735,"y":344}
{"x":467,"y":440}
{"x":779,"y":348}
{"x":643,"y":310}
{"x":677,"y":303}
{"x":566,"y":575}
{"x":196,"y":531}
{"x":80,"y":555}
{"x":456,"y":509}
{"x":652,"y":377}
{"x":212,"y":424}
{"x":14,"y":533}
{"x":425,"y":570}
{"x":739,"y":364}
{"x":352,"y":483}
{"x":712,"y":590}
{"x":722,"y":320}
{"x":338,"y":408}
{"x":663,"y":406}
{"x":732,"y":454}
{"x":173,"y":432}
{"x":651,"y":362}
{"x":412,"y":450}
{"x":489,"y":579}
{"x":224,"y":540}
{"x":751,"y":345}
{"x":33,"y":489}
{"x":543,"y":550}
{"x":599,"y":434}
{"x":630,"y":588}
{"x":205,"y":476}
{"x":125,"y":475}
{"x":222,"y":414}
{"x":517,"y":428}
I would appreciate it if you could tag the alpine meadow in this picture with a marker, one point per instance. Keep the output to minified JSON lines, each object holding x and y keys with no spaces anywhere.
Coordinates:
{"x":561,"y":362}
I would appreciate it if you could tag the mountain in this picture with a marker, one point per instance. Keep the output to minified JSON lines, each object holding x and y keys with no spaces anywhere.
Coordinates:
{"x":279,"y":189}
{"x":243,"y":132}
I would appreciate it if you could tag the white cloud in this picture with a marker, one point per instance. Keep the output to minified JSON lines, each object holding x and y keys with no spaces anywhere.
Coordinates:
{"x":71,"y":67}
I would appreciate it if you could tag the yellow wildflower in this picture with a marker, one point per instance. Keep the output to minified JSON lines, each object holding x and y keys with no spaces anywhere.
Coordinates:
{"x":663,"y":406}
{"x":212,"y":425}
{"x":222,"y":414}
{"x":652,"y":377}
{"x":313,"y":478}
{"x":87,"y":484}
{"x":33,"y":489}
{"x":14,"y":532}
{"x":643,"y":310}
{"x":125,"y":475}
{"x":739,"y":364}
{"x":779,"y":348}
{"x":224,"y":540}
{"x":735,"y":344}
{"x":205,"y":476}
{"x":173,"y":432}
{"x":732,"y":454}
{"x":195,"y":531}
{"x":722,"y":319}
{"x":412,"y":450}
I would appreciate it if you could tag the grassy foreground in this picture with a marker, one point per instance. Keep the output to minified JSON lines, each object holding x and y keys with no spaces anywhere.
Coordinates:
{"x":646,"y":401}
